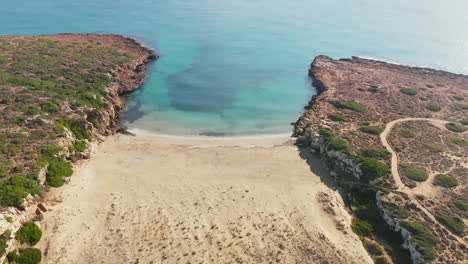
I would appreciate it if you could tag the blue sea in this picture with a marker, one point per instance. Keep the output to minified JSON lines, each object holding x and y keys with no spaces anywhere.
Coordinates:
{"x":240,"y":67}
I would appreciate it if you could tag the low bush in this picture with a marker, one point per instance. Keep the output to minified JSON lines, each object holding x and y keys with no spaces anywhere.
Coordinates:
{"x":351,"y":106}
{"x":337,"y":117}
{"x":413,"y":173}
{"x":28,"y":256}
{"x":460,"y":141}
{"x":13,"y":190}
{"x":371,"y":130}
{"x":440,"y":84}
{"x":379,"y":153}
{"x":434,"y":148}
{"x":423,"y":238}
{"x":80,"y":146}
{"x":457,"y":128}
{"x":374,"y":89}
{"x":339,"y":144}
{"x":445,"y":180}
{"x":464,"y":121}
{"x":361,"y":227}
{"x":455,"y":224}
{"x":461,"y":205}
{"x":430,"y":86}
{"x":29,"y":233}
{"x":374,"y":248}
{"x":77,"y":126}
{"x":459,"y":107}
{"x":408,"y":91}
{"x":382,"y":260}
{"x":407,"y":133}
{"x":58,"y":168}
{"x":372,"y":168}
{"x":433,"y":107}
{"x":3,"y":246}
{"x":402,"y":213}
{"x":458,"y":97}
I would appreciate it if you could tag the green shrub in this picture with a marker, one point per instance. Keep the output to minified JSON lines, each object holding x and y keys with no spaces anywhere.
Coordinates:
{"x":460,"y":107}
{"x":458,"y":97}
{"x":434,"y":148}
{"x":423,"y":238}
{"x":379,"y":153}
{"x":460,"y":141}
{"x":337,"y":117}
{"x":13,"y":190}
{"x":440,"y":84}
{"x":408,"y":91}
{"x":374,"y":89}
{"x":445,"y":180}
{"x":29,"y":233}
{"x":401,"y":213}
{"x":407,"y":133}
{"x":371,"y":130}
{"x":339,"y":144}
{"x":413,"y":173}
{"x":3,"y":246}
{"x":464,"y":121}
{"x":58,"y":168}
{"x":455,"y":224}
{"x":29,"y":256}
{"x":457,"y":128}
{"x":361,"y":89}
{"x":77,"y":126}
{"x":433,"y":107}
{"x":361,"y":227}
{"x":80,"y":146}
{"x":374,"y":248}
{"x":430,"y":86}
{"x":50,"y":107}
{"x":326,"y":133}
{"x":351,"y":106}
{"x":422,"y":98}
{"x":382,"y":260}
{"x":461,"y":205}
{"x":372,"y":168}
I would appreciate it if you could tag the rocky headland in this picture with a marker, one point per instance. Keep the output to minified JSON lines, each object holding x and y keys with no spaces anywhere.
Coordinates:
{"x":59,"y":95}
{"x":394,"y":138}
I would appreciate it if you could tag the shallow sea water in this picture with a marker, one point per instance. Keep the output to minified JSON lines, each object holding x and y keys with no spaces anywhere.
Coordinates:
{"x":240,"y":67}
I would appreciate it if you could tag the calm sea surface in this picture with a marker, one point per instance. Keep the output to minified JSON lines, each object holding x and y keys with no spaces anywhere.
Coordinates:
{"x":240,"y":67}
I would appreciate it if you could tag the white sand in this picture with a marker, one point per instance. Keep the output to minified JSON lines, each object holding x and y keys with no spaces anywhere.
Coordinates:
{"x":156,"y":199}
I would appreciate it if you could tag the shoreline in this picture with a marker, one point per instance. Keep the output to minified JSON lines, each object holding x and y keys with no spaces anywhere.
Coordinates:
{"x":196,"y":141}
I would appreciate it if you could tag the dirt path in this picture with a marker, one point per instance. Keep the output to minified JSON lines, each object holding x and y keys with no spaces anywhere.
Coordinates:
{"x":394,"y":165}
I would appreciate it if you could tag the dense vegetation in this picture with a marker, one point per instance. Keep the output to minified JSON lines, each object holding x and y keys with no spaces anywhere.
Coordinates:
{"x":25,"y":256}
{"x":334,"y":142}
{"x":413,"y":173}
{"x":337,"y":117}
{"x":433,"y":107}
{"x":408,"y":91}
{"x":371,"y":130}
{"x":46,"y":87}
{"x":445,"y":180}
{"x":372,"y":168}
{"x":379,"y":153}
{"x":351,"y":106}
{"x":423,"y":238}
{"x":455,"y":224}
{"x":457,"y":128}
{"x":29,"y":233}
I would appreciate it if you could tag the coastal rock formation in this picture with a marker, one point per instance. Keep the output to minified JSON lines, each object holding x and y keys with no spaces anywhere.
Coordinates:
{"x":368,"y":121}
{"x":59,"y":94}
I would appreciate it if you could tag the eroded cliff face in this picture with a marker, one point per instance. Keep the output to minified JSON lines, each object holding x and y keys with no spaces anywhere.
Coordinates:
{"x":124,"y":79}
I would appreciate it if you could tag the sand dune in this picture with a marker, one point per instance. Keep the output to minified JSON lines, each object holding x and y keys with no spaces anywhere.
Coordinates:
{"x":147,"y":199}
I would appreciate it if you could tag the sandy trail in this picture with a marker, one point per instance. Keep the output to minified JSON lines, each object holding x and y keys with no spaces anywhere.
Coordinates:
{"x":143,"y":200}
{"x":396,"y":173}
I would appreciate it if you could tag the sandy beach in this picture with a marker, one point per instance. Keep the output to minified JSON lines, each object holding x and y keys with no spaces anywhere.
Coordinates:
{"x":158,"y":199}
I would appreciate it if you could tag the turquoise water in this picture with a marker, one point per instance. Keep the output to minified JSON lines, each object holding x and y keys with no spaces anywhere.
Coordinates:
{"x":240,"y":67}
